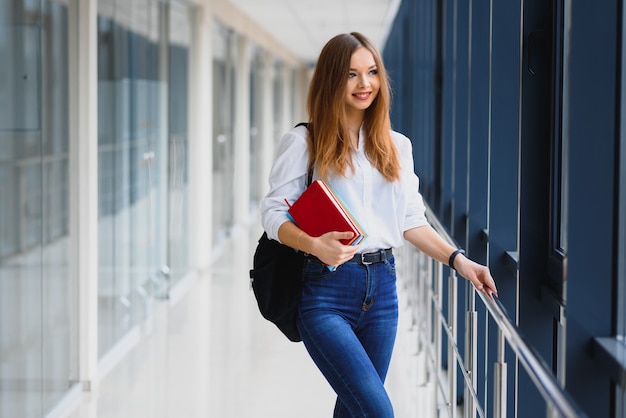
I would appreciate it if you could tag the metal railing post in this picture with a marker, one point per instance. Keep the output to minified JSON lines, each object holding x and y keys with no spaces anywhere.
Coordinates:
{"x":427,"y":283}
{"x":471,"y":362}
{"x":438,"y":286}
{"x":452,"y":325}
{"x":500,"y":380}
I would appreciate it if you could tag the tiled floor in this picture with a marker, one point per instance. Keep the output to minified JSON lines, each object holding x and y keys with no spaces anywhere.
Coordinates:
{"x":211,"y":354}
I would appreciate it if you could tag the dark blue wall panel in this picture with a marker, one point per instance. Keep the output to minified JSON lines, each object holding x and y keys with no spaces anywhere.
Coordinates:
{"x":593,"y":145}
{"x":479,"y":89}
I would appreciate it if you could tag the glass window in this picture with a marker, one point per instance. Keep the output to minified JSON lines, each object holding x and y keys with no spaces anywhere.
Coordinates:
{"x":257,"y":83}
{"x":559,"y":152}
{"x":37,"y":294}
{"x":178,"y":97}
{"x":223,"y":129}
{"x":132,"y":160}
{"x":278,"y":91}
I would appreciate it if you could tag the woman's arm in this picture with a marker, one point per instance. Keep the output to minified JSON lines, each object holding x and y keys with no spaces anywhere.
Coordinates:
{"x":427,"y":240}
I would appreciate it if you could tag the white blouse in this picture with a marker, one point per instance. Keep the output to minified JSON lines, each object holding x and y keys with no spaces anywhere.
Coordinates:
{"x":384,"y":210}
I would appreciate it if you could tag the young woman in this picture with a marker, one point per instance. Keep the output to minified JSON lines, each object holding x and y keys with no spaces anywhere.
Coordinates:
{"x":348,"y":317}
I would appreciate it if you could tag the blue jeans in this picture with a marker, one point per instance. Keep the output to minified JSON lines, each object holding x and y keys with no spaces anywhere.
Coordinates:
{"x":348,"y":321}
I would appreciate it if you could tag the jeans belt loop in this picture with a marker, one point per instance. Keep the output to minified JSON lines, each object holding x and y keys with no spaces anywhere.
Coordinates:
{"x":383,"y":254}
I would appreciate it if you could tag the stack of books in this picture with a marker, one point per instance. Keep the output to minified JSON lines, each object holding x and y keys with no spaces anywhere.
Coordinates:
{"x":319,"y":210}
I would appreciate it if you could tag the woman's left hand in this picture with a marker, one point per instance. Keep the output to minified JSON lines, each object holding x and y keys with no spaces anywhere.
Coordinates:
{"x":478,"y":274}
{"x":426,"y":239}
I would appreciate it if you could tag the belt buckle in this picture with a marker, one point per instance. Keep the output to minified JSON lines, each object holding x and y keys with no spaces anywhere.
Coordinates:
{"x":366,"y":263}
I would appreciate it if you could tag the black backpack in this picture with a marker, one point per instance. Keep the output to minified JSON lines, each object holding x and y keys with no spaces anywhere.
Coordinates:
{"x":276,"y":279}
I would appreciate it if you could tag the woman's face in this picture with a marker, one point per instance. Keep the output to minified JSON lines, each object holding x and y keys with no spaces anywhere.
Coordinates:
{"x":363,"y":80}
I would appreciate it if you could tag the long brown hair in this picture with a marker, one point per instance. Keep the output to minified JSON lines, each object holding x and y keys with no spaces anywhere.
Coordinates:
{"x":329,"y":139}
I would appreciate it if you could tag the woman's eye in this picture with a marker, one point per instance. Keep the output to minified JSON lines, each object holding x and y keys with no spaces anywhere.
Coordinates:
{"x":371,"y":72}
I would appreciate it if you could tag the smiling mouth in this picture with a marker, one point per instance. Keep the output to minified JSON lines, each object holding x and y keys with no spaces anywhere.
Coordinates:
{"x":362,"y":96}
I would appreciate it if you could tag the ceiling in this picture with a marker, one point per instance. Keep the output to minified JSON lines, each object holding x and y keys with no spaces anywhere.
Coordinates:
{"x":304,"y":26}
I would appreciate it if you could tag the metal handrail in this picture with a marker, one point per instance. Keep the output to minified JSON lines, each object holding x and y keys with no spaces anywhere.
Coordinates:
{"x":557,"y":399}
{"x":537,"y":369}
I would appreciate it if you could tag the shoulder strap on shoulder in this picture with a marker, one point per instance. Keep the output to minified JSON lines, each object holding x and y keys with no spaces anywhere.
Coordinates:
{"x":310,"y":173}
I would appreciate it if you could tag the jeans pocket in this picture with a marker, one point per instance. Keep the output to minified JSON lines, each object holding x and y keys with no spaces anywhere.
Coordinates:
{"x":314,"y":269}
{"x":390,"y":263}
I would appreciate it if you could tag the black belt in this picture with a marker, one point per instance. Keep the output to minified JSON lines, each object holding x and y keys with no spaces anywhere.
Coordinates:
{"x":371,"y":258}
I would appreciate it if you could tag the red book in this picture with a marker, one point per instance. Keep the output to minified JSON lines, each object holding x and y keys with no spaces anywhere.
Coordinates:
{"x":318,"y":210}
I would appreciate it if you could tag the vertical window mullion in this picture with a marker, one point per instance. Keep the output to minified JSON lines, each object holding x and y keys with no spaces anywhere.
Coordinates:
{"x":621,"y":241}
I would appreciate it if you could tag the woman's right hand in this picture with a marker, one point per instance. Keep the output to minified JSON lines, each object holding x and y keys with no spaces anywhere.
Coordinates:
{"x":329,"y":248}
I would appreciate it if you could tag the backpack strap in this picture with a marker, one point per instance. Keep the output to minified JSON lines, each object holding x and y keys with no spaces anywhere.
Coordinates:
{"x":309,"y":178}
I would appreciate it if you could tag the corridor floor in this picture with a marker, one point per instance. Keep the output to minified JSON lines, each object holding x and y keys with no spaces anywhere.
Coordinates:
{"x":207,"y":352}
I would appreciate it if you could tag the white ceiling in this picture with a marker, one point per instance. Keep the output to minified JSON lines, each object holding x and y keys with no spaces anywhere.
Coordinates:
{"x":304,"y":26}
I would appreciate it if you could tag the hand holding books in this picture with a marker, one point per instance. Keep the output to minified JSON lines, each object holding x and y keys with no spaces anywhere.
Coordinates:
{"x":319,"y":210}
